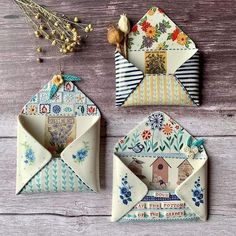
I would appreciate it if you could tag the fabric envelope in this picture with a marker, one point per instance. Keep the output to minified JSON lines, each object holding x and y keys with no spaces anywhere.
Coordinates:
{"x":159,"y":173}
{"x":58,"y":142}
{"x":162,"y":67}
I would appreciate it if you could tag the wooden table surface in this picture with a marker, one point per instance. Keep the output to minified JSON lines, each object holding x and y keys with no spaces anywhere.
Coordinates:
{"x":210,"y":23}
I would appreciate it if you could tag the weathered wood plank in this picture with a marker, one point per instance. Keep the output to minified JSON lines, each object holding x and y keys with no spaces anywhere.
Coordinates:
{"x":222,"y":177}
{"x":117,"y":122}
{"x":43,"y":225}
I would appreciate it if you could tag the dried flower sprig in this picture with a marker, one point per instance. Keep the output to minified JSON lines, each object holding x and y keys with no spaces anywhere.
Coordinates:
{"x":61,"y":31}
{"x":118,"y":33}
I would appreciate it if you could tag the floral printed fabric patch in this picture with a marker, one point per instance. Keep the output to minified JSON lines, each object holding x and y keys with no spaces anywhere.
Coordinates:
{"x":156,"y":30}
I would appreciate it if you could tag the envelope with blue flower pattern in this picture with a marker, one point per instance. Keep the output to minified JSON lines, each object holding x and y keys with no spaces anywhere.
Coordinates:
{"x":159,"y":173}
{"x":162,"y":67}
{"x":58,"y":140}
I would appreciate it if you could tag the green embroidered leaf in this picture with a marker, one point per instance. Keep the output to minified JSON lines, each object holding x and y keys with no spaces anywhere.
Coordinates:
{"x":172,"y":141}
{"x":190,"y":141}
{"x":175,"y":148}
{"x":143,"y":19}
{"x":155,"y":149}
{"x":169,"y":36}
{"x":166,"y":144}
{"x":71,"y":78}
{"x":198,"y":142}
{"x":181,"y":146}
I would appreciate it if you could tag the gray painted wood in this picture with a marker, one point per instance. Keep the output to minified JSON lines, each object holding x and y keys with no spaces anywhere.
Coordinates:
{"x":211,"y":24}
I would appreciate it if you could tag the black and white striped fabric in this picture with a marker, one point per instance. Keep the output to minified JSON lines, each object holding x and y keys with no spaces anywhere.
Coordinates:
{"x":128,"y":77}
{"x":188,"y":75}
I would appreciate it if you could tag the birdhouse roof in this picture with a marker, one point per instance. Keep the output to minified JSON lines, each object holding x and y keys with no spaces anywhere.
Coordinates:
{"x":162,"y":159}
{"x":186,"y":160}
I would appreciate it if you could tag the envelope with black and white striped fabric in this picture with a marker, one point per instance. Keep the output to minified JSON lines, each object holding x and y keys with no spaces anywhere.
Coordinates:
{"x":162,"y":67}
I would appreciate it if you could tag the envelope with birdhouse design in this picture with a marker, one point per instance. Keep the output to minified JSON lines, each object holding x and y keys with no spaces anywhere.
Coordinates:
{"x":162,"y":66}
{"x":159,"y":173}
{"x":58,"y":140}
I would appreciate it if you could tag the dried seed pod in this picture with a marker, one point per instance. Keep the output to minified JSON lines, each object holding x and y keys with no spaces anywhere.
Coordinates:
{"x":114,"y":35}
{"x":124,"y":24}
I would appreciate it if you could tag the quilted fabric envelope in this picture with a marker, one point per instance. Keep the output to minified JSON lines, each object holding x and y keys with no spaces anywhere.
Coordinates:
{"x":58,"y":140}
{"x":162,"y":66}
{"x":159,"y":173}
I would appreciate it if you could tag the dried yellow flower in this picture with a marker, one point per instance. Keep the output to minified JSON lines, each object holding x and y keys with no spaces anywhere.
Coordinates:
{"x":76,"y":19}
{"x":39,"y":49}
{"x":57,"y":80}
{"x":54,"y":42}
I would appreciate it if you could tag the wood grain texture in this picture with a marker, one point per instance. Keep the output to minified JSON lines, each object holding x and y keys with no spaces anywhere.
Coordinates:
{"x":210,"y":23}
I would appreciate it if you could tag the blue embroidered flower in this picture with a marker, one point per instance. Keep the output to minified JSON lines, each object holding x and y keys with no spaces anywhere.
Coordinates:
{"x":125,"y":191}
{"x":81,"y":154}
{"x":29,"y":156}
{"x":155,"y":121}
{"x":197,"y":193}
{"x":56,"y":109}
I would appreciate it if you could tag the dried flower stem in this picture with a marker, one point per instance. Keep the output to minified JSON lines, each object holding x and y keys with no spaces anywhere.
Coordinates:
{"x":53,"y":26}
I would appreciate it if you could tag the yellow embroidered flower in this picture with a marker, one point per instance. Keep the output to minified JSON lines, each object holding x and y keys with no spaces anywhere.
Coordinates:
{"x":57,"y":80}
{"x":151,"y":12}
{"x":160,"y":46}
{"x":182,"y":38}
{"x":150,"y":32}
{"x":32,"y":109}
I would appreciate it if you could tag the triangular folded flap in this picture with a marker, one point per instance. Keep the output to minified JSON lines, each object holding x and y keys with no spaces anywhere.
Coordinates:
{"x":162,"y":31}
{"x":188,"y":75}
{"x":128,"y":77}
{"x":139,"y":189}
{"x":156,"y":32}
{"x":42,"y":155}
{"x":185,"y":189}
{"x":88,"y":171}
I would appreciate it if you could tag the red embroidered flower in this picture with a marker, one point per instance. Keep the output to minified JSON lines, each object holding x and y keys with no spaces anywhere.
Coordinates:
{"x":135,"y":28}
{"x":145,"y":25}
{"x":175,"y":34}
{"x":160,"y":10}
{"x":91,"y":109}
{"x":146,"y":134}
{"x":177,"y":126}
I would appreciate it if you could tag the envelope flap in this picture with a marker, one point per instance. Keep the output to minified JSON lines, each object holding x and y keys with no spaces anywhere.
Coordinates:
{"x":82,"y":154}
{"x":156,"y":30}
{"x":193,"y":191}
{"x":31,"y":155}
{"x":128,"y":189}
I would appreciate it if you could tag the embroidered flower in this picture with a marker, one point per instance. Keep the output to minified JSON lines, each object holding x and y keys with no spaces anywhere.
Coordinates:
{"x":151,"y":32}
{"x":167,"y":129}
{"x":197,"y":192}
{"x":145,"y":25}
{"x":56,"y":109}
{"x":155,"y":121}
{"x":175,"y":34}
{"x":151,"y":12}
{"x":146,"y":135}
{"x":182,"y":38}
{"x":147,"y":42}
{"x":162,"y":27}
{"x":81,"y":154}
{"x":29,"y":155}
{"x":91,"y":110}
{"x":57,"y":80}
{"x":192,"y":147}
{"x":125,"y":191}
{"x":32,"y":109}
{"x":135,"y":28}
